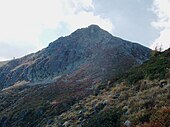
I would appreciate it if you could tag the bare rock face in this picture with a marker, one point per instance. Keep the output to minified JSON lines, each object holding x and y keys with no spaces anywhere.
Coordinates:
{"x":98,"y":53}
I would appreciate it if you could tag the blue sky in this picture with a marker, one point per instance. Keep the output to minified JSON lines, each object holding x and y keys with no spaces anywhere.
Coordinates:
{"x":27,"y":26}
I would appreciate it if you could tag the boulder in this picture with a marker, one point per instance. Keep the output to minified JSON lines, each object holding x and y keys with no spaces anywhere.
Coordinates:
{"x":66,"y":124}
{"x":127,"y":123}
{"x":163,"y":83}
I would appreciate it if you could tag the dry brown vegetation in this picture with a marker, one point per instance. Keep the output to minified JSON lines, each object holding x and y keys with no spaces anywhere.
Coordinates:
{"x":144,"y":102}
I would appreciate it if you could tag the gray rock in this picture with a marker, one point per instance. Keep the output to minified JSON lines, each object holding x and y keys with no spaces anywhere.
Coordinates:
{"x":163,"y":83}
{"x":127,"y":123}
{"x":66,"y":124}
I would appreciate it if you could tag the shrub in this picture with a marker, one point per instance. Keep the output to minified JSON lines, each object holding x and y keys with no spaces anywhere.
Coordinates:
{"x":144,"y":118}
{"x":108,"y":118}
{"x":155,"y":68}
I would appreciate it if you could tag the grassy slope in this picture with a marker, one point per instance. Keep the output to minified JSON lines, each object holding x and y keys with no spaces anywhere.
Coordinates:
{"x":137,"y":97}
{"x":155,"y":68}
{"x":30,"y":106}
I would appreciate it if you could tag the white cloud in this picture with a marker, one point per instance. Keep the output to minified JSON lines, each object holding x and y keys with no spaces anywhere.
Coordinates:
{"x":3,"y":59}
{"x":23,"y":23}
{"x":162,"y":9}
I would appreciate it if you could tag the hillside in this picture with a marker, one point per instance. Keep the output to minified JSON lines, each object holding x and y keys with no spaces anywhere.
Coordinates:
{"x":142,"y":96}
{"x":40,"y":86}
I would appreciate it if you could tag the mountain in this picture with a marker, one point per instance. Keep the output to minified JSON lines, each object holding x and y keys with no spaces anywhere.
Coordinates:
{"x":40,"y":86}
{"x":93,"y":49}
{"x":140,"y":97}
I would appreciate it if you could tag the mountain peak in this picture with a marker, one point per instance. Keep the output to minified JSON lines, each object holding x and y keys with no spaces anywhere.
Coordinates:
{"x":93,"y":32}
{"x":93,"y":26}
{"x":94,"y":29}
{"x":90,"y":35}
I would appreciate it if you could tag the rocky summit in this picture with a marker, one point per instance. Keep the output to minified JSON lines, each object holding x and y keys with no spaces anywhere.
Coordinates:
{"x":40,"y":86}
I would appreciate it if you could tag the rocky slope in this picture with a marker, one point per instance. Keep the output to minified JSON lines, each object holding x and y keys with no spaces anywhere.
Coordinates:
{"x":102,"y":55}
{"x":43,"y":85}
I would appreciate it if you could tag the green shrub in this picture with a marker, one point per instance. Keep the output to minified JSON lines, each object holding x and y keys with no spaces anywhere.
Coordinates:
{"x":155,"y":68}
{"x":133,"y":78}
{"x":109,"y":118}
{"x":144,"y":118}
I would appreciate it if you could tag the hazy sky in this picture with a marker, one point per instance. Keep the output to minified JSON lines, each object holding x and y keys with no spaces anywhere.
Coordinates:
{"x":29,"y":25}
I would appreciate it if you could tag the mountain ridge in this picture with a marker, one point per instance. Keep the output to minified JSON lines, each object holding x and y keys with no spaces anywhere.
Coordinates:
{"x":66,"y":54}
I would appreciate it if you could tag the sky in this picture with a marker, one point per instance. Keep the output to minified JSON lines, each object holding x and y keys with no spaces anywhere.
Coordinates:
{"x":27,"y":26}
